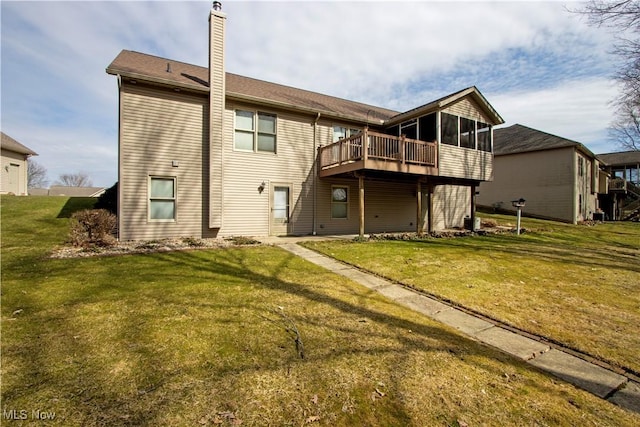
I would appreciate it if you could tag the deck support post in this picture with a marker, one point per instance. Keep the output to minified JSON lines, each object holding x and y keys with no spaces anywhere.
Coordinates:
{"x":473,"y":207}
{"x":430,"y":189}
{"x":419,"y":218}
{"x":361,"y":204}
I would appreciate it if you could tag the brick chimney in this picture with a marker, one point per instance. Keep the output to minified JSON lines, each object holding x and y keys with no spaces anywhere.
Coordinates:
{"x":217,"y":20}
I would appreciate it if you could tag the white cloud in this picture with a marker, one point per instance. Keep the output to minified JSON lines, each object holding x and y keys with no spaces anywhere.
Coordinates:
{"x":579,"y":111}
{"x":57,"y":98}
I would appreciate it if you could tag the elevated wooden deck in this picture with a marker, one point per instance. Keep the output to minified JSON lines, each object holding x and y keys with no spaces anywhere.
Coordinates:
{"x":380,"y":152}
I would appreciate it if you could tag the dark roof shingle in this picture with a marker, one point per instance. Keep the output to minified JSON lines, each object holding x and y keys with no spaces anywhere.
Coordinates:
{"x":143,"y":66}
{"x":522,"y":139}
{"x":620,"y":159}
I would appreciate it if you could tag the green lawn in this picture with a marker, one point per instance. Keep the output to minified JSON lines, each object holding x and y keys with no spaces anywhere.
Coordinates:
{"x":576,"y":284}
{"x":206,"y":337}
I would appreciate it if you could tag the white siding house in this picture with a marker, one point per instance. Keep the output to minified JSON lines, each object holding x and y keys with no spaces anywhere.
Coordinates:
{"x":14,"y":166}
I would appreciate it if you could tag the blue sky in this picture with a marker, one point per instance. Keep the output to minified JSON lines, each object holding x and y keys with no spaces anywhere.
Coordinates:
{"x":535,"y":62}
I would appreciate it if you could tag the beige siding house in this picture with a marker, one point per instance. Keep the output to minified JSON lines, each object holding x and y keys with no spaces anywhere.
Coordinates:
{"x":14,"y":166}
{"x":242,"y":156}
{"x":558,"y":178}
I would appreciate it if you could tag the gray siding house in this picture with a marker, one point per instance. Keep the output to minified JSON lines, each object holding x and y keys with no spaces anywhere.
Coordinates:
{"x":559,"y":178}
{"x":14,"y":166}
{"x":207,"y":153}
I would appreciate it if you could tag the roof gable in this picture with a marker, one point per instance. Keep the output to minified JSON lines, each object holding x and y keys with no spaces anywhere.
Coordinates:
{"x":522,"y":139}
{"x":11,"y":144}
{"x":448,"y":100}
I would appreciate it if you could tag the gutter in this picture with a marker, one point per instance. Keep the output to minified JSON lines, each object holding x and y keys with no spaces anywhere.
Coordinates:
{"x":286,"y":106}
{"x":315,"y":175}
{"x":162,"y":82}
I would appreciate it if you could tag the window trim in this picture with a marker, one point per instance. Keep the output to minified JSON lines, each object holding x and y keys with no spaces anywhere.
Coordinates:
{"x":346,"y":203}
{"x":151,"y":199}
{"x":255,"y":132}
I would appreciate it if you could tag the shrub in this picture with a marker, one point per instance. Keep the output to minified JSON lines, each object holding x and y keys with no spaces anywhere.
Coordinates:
{"x":242,"y":241}
{"x":92,"y":227}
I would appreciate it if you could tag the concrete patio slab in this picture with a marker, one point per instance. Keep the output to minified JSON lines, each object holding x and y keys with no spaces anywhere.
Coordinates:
{"x":512,"y":343}
{"x":578,"y":372}
{"x":464,"y":322}
{"x":628,"y":397}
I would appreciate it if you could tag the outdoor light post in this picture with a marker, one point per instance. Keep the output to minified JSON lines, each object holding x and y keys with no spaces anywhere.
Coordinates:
{"x":518,"y":204}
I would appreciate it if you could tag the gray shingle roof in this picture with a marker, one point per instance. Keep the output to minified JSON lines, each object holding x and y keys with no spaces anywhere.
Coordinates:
{"x":61,"y":190}
{"x":136,"y":65}
{"x":620,"y":159}
{"x":11,"y":144}
{"x":148,"y":67}
{"x":522,"y":139}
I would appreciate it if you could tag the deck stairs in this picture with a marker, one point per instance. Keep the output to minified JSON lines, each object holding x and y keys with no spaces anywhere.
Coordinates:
{"x":631,"y":209}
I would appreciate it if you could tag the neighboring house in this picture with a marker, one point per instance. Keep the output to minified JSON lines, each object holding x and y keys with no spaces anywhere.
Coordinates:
{"x":14,"y":166}
{"x":559,"y":178}
{"x":623,"y":200}
{"x":38,"y":191}
{"x":240,"y":156}
{"x":61,"y":190}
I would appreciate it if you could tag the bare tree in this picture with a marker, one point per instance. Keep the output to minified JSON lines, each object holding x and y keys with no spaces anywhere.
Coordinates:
{"x":36,"y":175}
{"x":623,"y":17}
{"x":80,"y":179}
{"x":625,"y":129}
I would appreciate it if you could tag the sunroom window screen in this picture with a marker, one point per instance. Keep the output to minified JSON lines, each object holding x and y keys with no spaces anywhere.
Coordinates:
{"x":449,"y":129}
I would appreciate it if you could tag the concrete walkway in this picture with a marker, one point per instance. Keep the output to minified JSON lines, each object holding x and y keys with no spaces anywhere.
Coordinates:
{"x":602,"y":382}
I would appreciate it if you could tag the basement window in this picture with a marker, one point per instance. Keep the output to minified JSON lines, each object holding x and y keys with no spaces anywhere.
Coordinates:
{"x":162,"y":198}
{"x":339,"y":202}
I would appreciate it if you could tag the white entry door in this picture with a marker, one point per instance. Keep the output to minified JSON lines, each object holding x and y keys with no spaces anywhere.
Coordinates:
{"x":13,"y":179}
{"x":280,"y":209}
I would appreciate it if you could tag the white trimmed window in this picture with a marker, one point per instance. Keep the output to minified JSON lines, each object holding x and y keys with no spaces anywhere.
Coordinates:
{"x":339,"y":202}
{"x":255,"y":131}
{"x":162,"y":198}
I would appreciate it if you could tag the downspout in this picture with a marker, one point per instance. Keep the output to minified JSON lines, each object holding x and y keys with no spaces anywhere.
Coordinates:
{"x":119,"y":184}
{"x":315,"y":174}
{"x":574,"y":190}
